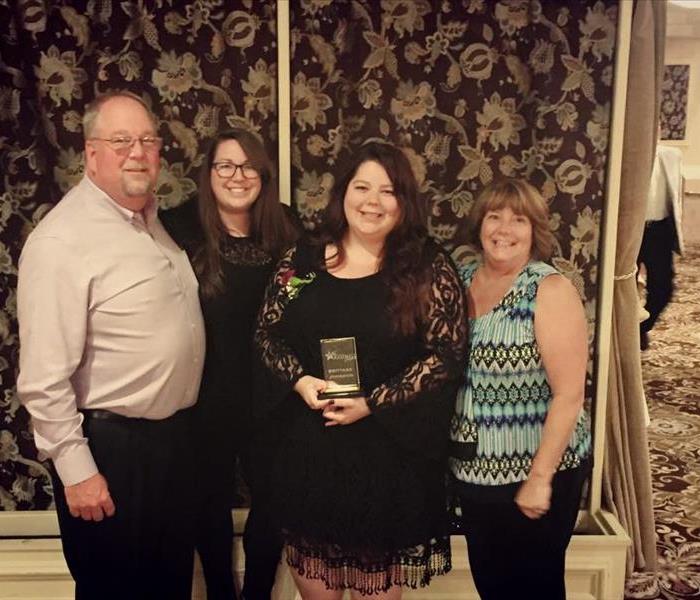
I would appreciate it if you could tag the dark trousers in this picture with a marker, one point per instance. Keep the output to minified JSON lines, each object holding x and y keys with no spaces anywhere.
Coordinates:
{"x":512,"y":556}
{"x":262,"y":542}
{"x":145,"y":551}
{"x":656,"y":253}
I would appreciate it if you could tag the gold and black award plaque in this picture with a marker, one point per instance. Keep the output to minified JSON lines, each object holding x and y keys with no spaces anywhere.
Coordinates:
{"x":340,"y":368}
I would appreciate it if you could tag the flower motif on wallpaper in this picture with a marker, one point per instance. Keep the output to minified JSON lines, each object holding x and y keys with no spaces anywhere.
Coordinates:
{"x":313,"y":192}
{"x":437,"y":148}
{"x":499,"y":122}
{"x":59,"y":75}
{"x":176,"y":74}
{"x":513,"y":14}
{"x":477,"y":60}
{"x":239,"y":29}
{"x":598,"y":31}
{"x":567,"y":116}
{"x":260,"y":88}
{"x":69,"y":168}
{"x":369,"y":93}
{"x":309,"y":103}
{"x":405,"y":15}
{"x":130,"y":66}
{"x":598,"y":128}
{"x":412,"y":102}
{"x":173,"y":186}
{"x":9,"y":104}
{"x":541,"y":58}
{"x":206,"y":121}
{"x":585,"y":233}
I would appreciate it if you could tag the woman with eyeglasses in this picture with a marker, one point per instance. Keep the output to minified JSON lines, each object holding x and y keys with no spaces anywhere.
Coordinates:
{"x":234,"y":234}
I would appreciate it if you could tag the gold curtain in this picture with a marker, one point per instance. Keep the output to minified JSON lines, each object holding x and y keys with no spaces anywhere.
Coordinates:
{"x":627,"y":488}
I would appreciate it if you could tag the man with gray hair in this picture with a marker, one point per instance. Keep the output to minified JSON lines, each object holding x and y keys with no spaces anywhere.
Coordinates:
{"x":112,"y":347}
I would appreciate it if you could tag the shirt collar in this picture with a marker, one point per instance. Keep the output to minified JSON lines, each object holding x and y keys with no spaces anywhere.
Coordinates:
{"x":145,"y":217}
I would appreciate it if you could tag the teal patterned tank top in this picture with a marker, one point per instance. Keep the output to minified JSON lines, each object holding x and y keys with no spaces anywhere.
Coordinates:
{"x":504,"y":402}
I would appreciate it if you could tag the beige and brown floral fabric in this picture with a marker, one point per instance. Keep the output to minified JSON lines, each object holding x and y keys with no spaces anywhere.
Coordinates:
{"x":471,"y":89}
{"x":674,"y":102}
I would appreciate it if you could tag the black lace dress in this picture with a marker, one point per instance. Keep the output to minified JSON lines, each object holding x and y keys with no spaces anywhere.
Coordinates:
{"x":362,"y":506}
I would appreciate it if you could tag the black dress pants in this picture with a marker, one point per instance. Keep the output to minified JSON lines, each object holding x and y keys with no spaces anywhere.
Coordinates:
{"x":514,"y":557}
{"x":145,"y":551}
{"x":656,"y":253}
{"x":262,"y":540}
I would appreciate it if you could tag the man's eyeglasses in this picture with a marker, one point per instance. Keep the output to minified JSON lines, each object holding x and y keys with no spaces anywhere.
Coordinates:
{"x":227,"y":170}
{"x":124,"y":143}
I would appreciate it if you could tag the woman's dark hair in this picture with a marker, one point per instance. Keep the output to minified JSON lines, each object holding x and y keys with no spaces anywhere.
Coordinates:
{"x":272,"y":227}
{"x":403,"y":263}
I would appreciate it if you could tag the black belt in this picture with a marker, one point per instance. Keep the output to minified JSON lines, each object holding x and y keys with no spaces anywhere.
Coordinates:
{"x":104,"y":415}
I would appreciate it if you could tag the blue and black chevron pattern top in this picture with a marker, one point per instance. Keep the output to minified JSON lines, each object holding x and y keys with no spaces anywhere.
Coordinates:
{"x":505,"y":399}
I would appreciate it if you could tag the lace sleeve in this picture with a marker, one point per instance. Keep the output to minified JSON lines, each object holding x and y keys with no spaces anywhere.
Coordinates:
{"x":444,"y":336}
{"x":273,"y":352}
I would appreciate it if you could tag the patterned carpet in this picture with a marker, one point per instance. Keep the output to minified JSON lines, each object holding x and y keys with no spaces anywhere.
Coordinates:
{"x":671,"y":368}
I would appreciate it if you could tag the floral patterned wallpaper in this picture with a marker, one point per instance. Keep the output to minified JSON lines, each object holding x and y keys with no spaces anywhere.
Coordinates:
{"x":470,"y":88}
{"x":674,"y":102}
{"x":201,"y":65}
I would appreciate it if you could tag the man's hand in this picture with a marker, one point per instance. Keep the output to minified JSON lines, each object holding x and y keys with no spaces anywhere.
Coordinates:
{"x":344,"y":411}
{"x":90,"y":499}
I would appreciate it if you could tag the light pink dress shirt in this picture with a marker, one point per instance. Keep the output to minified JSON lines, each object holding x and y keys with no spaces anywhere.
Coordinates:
{"x":109,"y":318}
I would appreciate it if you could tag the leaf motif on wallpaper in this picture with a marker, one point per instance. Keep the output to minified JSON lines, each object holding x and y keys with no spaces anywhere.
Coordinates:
{"x":217,"y":45}
{"x":454,"y":30}
{"x":174,"y":22}
{"x":585,"y":233}
{"x":78,"y":24}
{"x":312,"y":192}
{"x":369,"y":93}
{"x":441,"y":232}
{"x":239,"y":29}
{"x":412,"y":103}
{"x":176,"y":74}
{"x":476,"y":165}
{"x":414,"y":53}
{"x":141,"y":24}
{"x":461,"y":203}
{"x":325,"y":53}
{"x":570,"y":270}
{"x":69,"y":169}
{"x":379,"y":45}
{"x":571,"y":177}
{"x":9,"y":104}
{"x":309,"y":103}
{"x":454,"y":77}
{"x":580,"y":150}
{"x":184,"y":137}
{"x":477,"y":61}
{"x":550,"y":145}
{"x":130,"y":66}
{"x":579,"y":77}
{"x":384,"y":127}
{"x":173,"y":187}
{"x":405,"y":16}
{"x":437,"y":148}
{"x":520,"y":73}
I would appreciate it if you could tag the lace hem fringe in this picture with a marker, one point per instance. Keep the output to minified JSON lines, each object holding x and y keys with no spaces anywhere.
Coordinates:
{"x":367,"y":579}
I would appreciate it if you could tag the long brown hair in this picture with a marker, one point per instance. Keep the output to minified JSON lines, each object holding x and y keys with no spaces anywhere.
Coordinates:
{"x":271,"y":226}
{"x":403,"y":264}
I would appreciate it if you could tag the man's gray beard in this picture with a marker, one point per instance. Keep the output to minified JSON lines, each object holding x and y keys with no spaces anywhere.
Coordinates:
{"x":138,"y":187}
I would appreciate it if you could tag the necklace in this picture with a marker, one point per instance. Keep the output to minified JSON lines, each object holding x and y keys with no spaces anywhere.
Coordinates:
{"x":235,"y":232}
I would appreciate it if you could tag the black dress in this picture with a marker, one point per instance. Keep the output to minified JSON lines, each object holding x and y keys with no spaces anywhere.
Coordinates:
{"x":362,"y":506}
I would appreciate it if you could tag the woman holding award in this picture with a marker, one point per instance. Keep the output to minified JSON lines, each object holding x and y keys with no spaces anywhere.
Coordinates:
{"x":234,"y":234}
{"x":359,"y":479}
{"x":520,"y":436}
